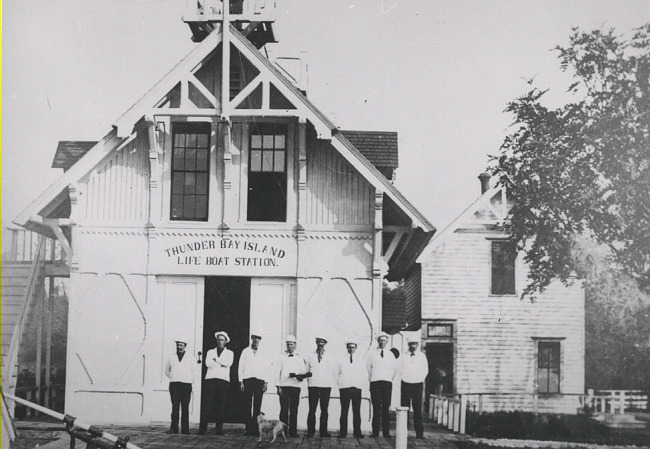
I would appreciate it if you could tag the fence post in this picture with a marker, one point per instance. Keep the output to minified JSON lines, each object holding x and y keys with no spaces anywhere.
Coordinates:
{"x":463,"y":413}
{"x":456,"y":416}
{"x":535,"y":402}
{"x":480,"y":403}
{"x":401,"y":431}
{"x":621,"y":404}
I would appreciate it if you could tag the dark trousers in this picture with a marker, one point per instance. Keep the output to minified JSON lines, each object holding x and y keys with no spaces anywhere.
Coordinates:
{"x":254,"y":391}
{"x":323,"y":395}
{"x":215,"y":395}
{"x":412,"y":393}
{"x":289,"y":400}
{"x":380,"y":392}
{"x":180,"y":393}
{"x":354,"y":395}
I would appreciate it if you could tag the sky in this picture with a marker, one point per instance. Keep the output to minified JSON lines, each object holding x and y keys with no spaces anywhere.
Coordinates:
{"x":440,"y":73}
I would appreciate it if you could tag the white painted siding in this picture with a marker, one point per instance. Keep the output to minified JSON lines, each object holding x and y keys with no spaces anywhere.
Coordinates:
{"x":336,"y":193}
{"x":118,"y":189}
{"x":496,"y":335}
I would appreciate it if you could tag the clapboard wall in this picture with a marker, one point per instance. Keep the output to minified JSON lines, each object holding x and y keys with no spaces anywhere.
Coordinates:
{"x":496,"y":336}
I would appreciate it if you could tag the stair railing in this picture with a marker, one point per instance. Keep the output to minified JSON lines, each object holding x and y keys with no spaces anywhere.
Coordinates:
{"x":10,"y":364}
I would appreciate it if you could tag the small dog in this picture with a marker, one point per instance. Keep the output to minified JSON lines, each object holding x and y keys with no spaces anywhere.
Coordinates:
{"x":270,"y":425}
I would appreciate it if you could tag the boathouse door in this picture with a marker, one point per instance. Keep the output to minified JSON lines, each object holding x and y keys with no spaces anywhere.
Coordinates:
{"x":227,"y":308}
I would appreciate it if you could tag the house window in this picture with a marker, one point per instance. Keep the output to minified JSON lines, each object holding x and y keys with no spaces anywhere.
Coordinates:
{"x":267,"y":173}
{"x":440,"y":330}
{"x":548,"y":367}
{"x":504,"y":254}
{"x":190,"y":171}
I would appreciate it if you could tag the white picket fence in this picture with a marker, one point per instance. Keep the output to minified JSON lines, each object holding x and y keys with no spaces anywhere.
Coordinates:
{"x":616,"y":401}
{"x":449,"y":412}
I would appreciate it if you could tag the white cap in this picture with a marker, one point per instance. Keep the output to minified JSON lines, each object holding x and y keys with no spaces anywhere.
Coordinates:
{"x":290,"y":339}
{"x":183,"y":340}
{"x":322,"y":338}
{"x":383,"y":335}
{"x":216,"y":334}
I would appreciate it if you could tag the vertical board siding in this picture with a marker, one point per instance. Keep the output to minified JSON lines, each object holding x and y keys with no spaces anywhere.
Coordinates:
{"x":413,"y":294}
{"x":496,"y":345}
{"x":118,"y":190}
{"x":336,"y":193}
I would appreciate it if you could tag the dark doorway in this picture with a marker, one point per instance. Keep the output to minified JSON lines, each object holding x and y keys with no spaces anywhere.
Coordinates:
{"x":227,"y":308}
{"x":441,"y":368}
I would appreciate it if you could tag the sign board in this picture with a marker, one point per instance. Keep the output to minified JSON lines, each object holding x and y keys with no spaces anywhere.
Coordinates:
{"x":215,"y":256}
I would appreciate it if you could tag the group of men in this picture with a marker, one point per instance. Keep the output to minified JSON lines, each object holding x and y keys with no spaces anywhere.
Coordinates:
{"x":351,"y":373}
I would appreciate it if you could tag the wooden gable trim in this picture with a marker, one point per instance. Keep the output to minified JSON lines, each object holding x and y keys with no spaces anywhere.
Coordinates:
{"x":440,"y":238}
{"x":111,"y":142}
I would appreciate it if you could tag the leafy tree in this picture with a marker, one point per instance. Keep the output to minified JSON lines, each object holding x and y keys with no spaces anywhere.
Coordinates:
{"x":583,"y":169}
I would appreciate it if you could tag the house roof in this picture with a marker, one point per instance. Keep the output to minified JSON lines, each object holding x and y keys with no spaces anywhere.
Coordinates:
{"x":69,"y":151}
{"x":379,"y":147}
{"x":124,"y":126}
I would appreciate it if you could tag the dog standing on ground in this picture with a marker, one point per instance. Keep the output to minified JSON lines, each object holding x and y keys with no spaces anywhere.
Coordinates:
{"x":270,"y":425}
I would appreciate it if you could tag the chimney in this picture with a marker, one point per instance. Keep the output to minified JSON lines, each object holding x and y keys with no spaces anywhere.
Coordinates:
{"x":485,"y":182}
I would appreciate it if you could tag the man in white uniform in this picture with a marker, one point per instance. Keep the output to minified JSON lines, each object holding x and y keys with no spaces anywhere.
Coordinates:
{"x":415,"y":369}
{"x":352,"y":378}
{"x":321,"y":367}
{"x":382,"y":368}
{"x":292,"y":371}
{"x":180,"y":368}
{"x":254,"y":371}
{"x":217,"y":382}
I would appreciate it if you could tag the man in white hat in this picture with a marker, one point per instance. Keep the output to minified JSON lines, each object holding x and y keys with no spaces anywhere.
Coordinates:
{"x":352,"y":378}
{"x":217,"y":381}
{"x":321,"y":367}
{"x":414,"y":369}
{"x":179,"y":368}
{"x":382,"y":368}
{"x":292,"y":371}
{"x":253,"y":370}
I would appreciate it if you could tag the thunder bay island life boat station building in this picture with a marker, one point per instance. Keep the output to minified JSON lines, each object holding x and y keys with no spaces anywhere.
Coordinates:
{"x":223,"y":198}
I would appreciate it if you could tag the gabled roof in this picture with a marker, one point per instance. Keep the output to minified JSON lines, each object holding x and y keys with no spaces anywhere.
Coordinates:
{"x":480,"y":212}
{"x":379,"y":147}
{"x":124,"y":126}
{"x":68,"y":152}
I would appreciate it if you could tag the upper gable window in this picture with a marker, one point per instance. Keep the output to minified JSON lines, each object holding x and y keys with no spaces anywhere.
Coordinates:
{"x":504,"y":254}
{"x":190,"y":171}
{"x":267,"y":173}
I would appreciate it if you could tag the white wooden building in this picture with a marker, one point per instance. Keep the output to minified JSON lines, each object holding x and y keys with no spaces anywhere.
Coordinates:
{"x":221,"y":198}
{"x":481,"y":339}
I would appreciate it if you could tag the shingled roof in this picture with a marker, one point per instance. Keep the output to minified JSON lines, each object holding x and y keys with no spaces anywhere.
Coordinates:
{"x":379,"y":147}
{"x":69,"y":151}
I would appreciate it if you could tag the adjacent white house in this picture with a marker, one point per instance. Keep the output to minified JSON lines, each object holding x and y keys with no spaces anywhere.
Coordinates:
{"x":482,"y":340}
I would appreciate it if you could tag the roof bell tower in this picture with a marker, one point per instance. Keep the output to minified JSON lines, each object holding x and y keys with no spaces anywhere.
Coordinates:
{"x":253,"y":18}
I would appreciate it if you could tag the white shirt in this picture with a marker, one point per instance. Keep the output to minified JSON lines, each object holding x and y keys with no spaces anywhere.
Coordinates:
{"x":291,"y":364}
{"x":381,"y":368}
{"x":254,"y":364}
{"x":219,"y":365}
{"x":415,"y":367}
{"x":180,"y":371}
{"x":322,"y":373}
{"x":352,"y":374}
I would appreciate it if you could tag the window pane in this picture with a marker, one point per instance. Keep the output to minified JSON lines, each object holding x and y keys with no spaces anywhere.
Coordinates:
{"x":268,"y":142}
{"x":190,"y":140}
{"x":256,"y":161}
{"x":177,"y":183}
{"x":190,"y":182}
{"x":279,"y":141}
{"x":190,"y":159}
{"x":554,"y":381}
{"x":179,"y":140}
{"x":202,"y":206}
{"x":188,"y":206}
{"x":202,"y":160}
{"x":256,"y":141}
{"x":179,"y":159}
{"x":202,"y":183}
{"x":202,"y":141}
{"x":542,"y":380}
{"x":177,"y":206}
{"x":278,"y":163}
{"x":267,"y":161}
